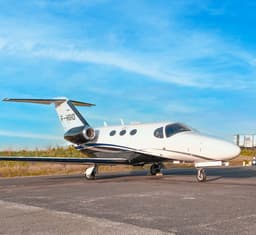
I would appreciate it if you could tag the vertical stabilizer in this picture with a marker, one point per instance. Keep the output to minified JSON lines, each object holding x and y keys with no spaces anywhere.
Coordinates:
{"x":69,"y":115}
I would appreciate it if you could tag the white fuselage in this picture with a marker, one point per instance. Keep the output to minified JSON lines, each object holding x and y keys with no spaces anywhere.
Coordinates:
{"x":188,"y":145}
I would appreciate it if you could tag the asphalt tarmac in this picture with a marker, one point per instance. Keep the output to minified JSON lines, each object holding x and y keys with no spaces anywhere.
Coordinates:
{"x":131,"y":203}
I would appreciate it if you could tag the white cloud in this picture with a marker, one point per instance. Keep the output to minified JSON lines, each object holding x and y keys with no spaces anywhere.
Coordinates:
{"x":175,"y":54}
{"x":178,"y":107}
{"x":138,"y":64}
{"x":67,"y":4}
{"x":28,"y":135}
{"x":2,"y":43}
{"x":125,"y":62}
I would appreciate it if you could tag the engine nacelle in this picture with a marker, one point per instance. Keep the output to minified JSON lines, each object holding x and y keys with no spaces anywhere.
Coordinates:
{"x":80,"y":135}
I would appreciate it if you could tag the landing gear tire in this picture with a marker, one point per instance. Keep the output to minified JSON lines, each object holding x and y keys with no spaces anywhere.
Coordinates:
{"x":201,"y":175}
{"x":90,"y":172}
{"x":155,"y":169}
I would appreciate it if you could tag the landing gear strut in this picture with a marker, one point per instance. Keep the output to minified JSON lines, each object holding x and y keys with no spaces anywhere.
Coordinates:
{"x":201,"y":175}
{"x":90,"y":172}
{"x":155,"y":169}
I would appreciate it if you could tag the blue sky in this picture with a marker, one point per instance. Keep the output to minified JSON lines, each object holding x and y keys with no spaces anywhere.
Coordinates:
{"x":189,"y":60}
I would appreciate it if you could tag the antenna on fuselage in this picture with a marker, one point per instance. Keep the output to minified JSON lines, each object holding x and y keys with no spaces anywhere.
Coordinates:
{"x":122,"y":121}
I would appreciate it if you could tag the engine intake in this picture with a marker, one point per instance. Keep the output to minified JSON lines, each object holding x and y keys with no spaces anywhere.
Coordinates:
{"x":80,"y":135}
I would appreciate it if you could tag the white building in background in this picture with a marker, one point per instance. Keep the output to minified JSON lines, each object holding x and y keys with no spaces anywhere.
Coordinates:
{"x":246,"y":141}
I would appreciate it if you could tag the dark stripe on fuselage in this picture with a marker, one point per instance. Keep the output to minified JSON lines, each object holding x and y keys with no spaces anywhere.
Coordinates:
{"x":110,"y":149}
{"x":119,"y":148}
{"x":189,"y":154}
{"x":108,"y":146}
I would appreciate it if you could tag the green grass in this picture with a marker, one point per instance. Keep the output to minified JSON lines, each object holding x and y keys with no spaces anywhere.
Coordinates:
{"x":11,"y":169}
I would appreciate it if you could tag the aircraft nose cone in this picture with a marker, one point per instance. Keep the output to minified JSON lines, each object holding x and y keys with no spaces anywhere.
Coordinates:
{"x":220,"y":149}
{"x":235,"y":150}
{"x":230,"y":150}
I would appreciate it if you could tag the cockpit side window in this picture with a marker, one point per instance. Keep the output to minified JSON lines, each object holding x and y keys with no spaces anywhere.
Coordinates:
{"x":159,"y":132}
{"x":175,"y":128}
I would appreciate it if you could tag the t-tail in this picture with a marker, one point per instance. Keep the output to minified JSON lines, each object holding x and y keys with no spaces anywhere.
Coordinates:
{"x":77,"y":129}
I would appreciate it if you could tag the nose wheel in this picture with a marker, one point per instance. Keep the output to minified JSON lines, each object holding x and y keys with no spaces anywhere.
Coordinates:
{"x":155,"y":169}
{"x":201,"y":175}
{"x":90,"y":172}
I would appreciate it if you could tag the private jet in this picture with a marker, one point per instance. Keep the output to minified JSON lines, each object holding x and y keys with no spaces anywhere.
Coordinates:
{"x":133,"y":144}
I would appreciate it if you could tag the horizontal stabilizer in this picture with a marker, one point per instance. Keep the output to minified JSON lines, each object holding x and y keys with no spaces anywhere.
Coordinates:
{"x":48,"y":101}
{"x":68,"y":114}
{"x":67,"y":160}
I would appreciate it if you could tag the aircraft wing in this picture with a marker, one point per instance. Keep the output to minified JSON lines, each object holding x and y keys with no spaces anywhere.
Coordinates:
{"x":66,"y":160}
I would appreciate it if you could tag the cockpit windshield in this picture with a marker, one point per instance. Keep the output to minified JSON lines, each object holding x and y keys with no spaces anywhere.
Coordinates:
{"x":175,"y":128}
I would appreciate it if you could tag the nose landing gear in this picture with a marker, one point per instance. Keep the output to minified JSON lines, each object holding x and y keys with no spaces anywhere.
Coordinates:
{"x":201,"y":175}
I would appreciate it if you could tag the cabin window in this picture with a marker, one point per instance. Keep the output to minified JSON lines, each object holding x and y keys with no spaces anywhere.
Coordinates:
{"x":159,"y":132}
{"x":112,"y":133}
{"x":122,"y":132}
{"x":175,"y":128}
{"x":133,"y":132}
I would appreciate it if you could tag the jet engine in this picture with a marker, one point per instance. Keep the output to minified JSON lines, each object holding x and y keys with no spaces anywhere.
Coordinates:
{"x":80,"y":135}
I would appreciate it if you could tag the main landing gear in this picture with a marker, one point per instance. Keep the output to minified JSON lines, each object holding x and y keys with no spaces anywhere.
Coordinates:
{"x":201,"y":175}
{"x":90,"y":172}
{"x":155,"y":169}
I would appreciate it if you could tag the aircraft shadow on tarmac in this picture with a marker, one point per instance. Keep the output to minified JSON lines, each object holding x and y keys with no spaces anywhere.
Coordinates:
{"x":212,"y":173}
